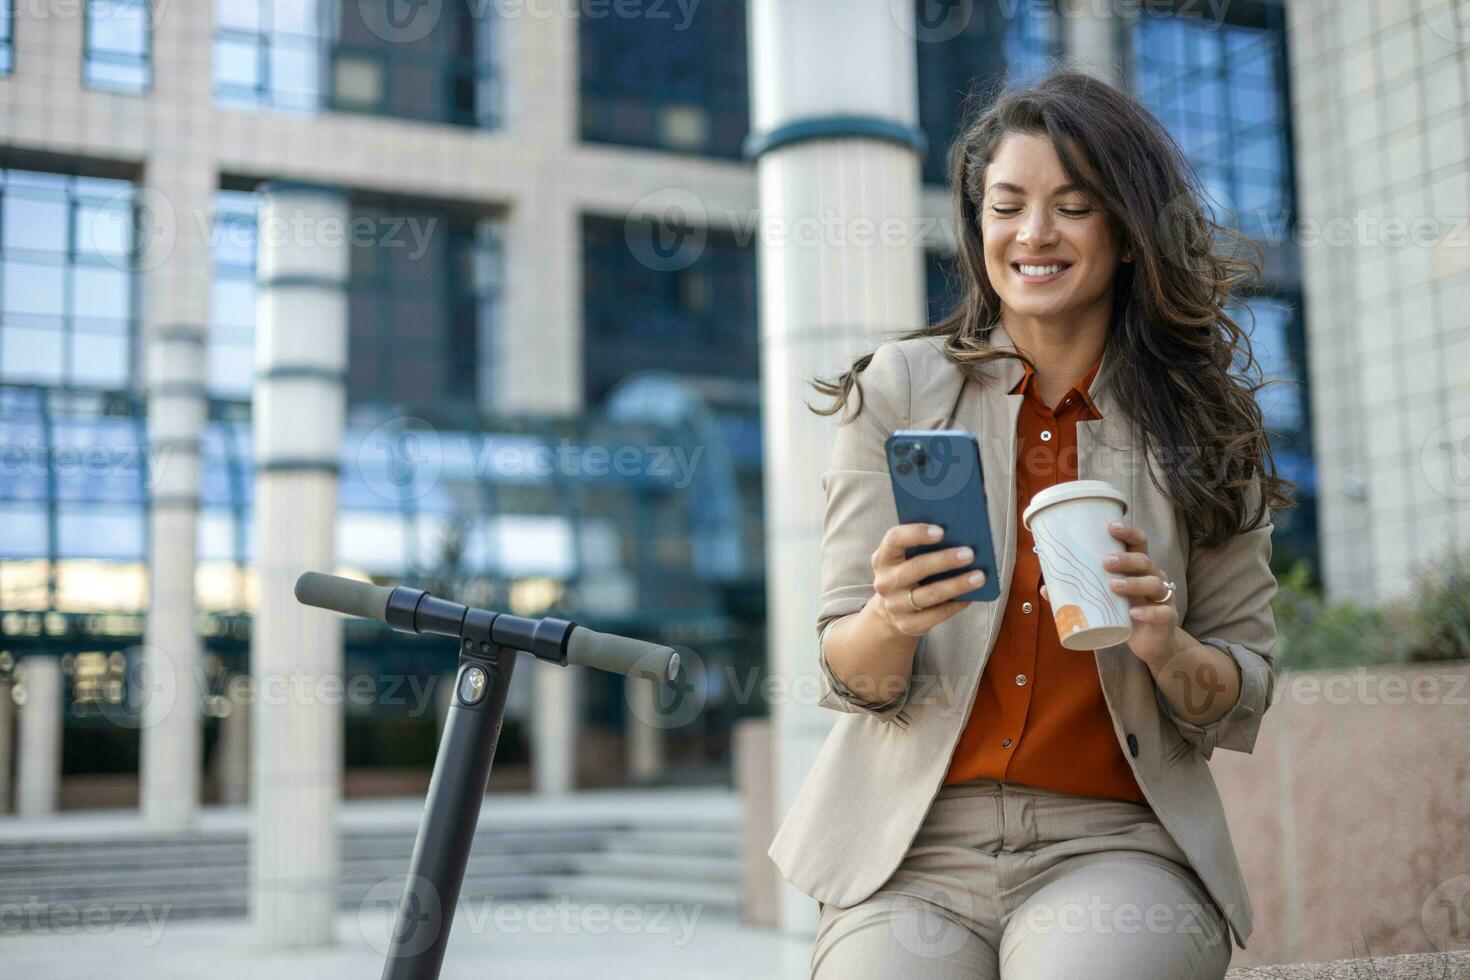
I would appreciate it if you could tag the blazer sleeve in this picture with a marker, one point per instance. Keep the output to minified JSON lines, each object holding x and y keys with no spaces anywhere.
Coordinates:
{"x":1230,"y":592}
{"x":860,"y":510}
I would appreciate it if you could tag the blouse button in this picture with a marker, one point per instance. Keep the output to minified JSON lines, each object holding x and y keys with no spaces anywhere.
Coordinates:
{"x":1020,"y":680}
{"x":1025,"y":607}
{"x":1006,"y":744}
{"x":1046,"y":435}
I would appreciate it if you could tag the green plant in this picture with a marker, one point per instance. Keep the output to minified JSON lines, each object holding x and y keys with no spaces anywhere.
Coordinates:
{"x":1313,"y":634}
{"x":1441,"y":605}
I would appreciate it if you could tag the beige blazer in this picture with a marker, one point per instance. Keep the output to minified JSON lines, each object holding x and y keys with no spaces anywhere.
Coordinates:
{"x":879,"y":769}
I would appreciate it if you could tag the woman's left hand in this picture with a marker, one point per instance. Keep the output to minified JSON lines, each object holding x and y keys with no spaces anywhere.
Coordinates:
{"x":1134,"y":574}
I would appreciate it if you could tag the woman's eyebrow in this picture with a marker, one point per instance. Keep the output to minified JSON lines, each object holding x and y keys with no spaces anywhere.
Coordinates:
{"x":1001,"y":185}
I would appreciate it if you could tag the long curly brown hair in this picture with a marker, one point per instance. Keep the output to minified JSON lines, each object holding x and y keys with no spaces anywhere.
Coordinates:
{"x":1182,"y":367}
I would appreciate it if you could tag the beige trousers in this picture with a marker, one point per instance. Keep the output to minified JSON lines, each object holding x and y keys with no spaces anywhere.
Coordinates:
{"x":1005,"y":880}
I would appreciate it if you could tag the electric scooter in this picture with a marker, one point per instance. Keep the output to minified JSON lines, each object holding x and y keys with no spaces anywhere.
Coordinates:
{"x":489,"y":643}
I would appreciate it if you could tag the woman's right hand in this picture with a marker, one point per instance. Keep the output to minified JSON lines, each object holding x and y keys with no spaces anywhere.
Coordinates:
{"x":894,"y":574}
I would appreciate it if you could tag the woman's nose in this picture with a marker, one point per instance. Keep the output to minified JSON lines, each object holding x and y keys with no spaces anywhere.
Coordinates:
{"x":1037,"y":229}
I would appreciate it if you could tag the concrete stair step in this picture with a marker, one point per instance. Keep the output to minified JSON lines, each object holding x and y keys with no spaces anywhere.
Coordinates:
{"x":205,"y":876}
{"x":617,"y":889}
{"x":657,"y":867}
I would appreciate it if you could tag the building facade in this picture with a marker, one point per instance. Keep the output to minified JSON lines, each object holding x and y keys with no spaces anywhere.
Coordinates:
{"x":1379,"y":103}
{"x":547,"y":229}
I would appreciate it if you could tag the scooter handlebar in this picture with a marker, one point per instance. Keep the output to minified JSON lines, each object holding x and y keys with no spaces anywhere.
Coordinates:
{"x":622,"y":655}
{"x":584,"y":647}
{"x":344,"y":595}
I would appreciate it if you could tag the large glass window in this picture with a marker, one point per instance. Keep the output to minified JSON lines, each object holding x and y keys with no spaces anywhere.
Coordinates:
{"x":232,"y":296}
{"x":67,"y":304}
{"x":423,"y":306}
{"x":662,"y":78}
{"x":117,"y":45}
{"x":424,"y":300}
{"x":303,"y":55}
{"x":699,"y":319}
{"x":269,"y":53}
{"x":1220,"y":88}
{"x":73,"y":500}
{"x":965,"y":48}
{"x":447,"y":74}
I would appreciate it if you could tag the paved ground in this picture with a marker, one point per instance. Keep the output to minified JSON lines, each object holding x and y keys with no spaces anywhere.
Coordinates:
{"x":527,"y":941}
{"x":1411,"y":966}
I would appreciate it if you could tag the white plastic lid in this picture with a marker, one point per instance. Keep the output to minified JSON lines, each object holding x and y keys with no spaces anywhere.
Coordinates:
{"x":1072,"y":490}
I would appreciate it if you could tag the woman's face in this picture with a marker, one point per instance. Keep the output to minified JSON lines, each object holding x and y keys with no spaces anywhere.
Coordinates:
{"x":1049,"y":251}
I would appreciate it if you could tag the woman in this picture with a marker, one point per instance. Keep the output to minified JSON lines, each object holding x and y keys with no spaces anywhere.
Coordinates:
{"x":989,"y":803}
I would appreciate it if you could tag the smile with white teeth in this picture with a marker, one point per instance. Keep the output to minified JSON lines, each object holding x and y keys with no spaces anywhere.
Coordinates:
{"x":1040,"y":270}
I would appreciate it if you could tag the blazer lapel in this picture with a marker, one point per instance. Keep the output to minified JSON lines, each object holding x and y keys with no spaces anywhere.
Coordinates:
{"x":1103,"y":453}
{"x":990,"y":413}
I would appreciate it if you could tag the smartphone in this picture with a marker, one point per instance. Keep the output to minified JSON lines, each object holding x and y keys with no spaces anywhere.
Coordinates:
{"x":937,"y":480}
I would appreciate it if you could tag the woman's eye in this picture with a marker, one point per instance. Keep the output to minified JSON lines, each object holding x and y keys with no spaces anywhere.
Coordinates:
{"x":1076,"y":212}
{"x":1005,"y":209}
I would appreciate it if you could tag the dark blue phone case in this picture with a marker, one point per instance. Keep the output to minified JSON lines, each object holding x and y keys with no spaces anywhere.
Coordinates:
{"x":944,"y":485}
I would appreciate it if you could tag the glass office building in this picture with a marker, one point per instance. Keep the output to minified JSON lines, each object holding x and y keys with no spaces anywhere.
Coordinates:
{"x":1221,"y":88}
{"x":664,"y":357}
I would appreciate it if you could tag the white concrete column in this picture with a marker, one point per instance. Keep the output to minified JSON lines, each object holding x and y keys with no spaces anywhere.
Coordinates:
{"x":233,"y":754}
{"x":7,"y":719}
{"x":299,"y":410}
{"x":1090,"y":35}
{"x":175,"y":266}
{"x":645,"y":741}
{"x":538,"y":355}
{"x":175,"y":284}
{"x":834,"y":116}
{"x":554,"y":714}
{"x":38,"y":755}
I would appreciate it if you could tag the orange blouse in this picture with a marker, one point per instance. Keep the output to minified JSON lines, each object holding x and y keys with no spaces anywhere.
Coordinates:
{"x":1039,"y":716}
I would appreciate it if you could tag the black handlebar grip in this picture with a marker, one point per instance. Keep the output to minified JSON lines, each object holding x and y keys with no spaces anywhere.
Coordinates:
{"x":344,"y":595}
{"x":622,"y":655}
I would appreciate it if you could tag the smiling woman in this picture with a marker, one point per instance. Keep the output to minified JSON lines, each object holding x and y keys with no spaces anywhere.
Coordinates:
{"x":944,"y":833}
{"x":1070,"y":197}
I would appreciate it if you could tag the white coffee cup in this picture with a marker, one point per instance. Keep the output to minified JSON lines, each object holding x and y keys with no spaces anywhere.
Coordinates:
{"x":1069,"y":522}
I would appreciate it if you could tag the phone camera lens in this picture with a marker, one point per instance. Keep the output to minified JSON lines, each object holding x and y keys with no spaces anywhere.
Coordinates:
{"x":900,"y":449}
{"x":920,"y":459}
{"x":904,"y":469}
